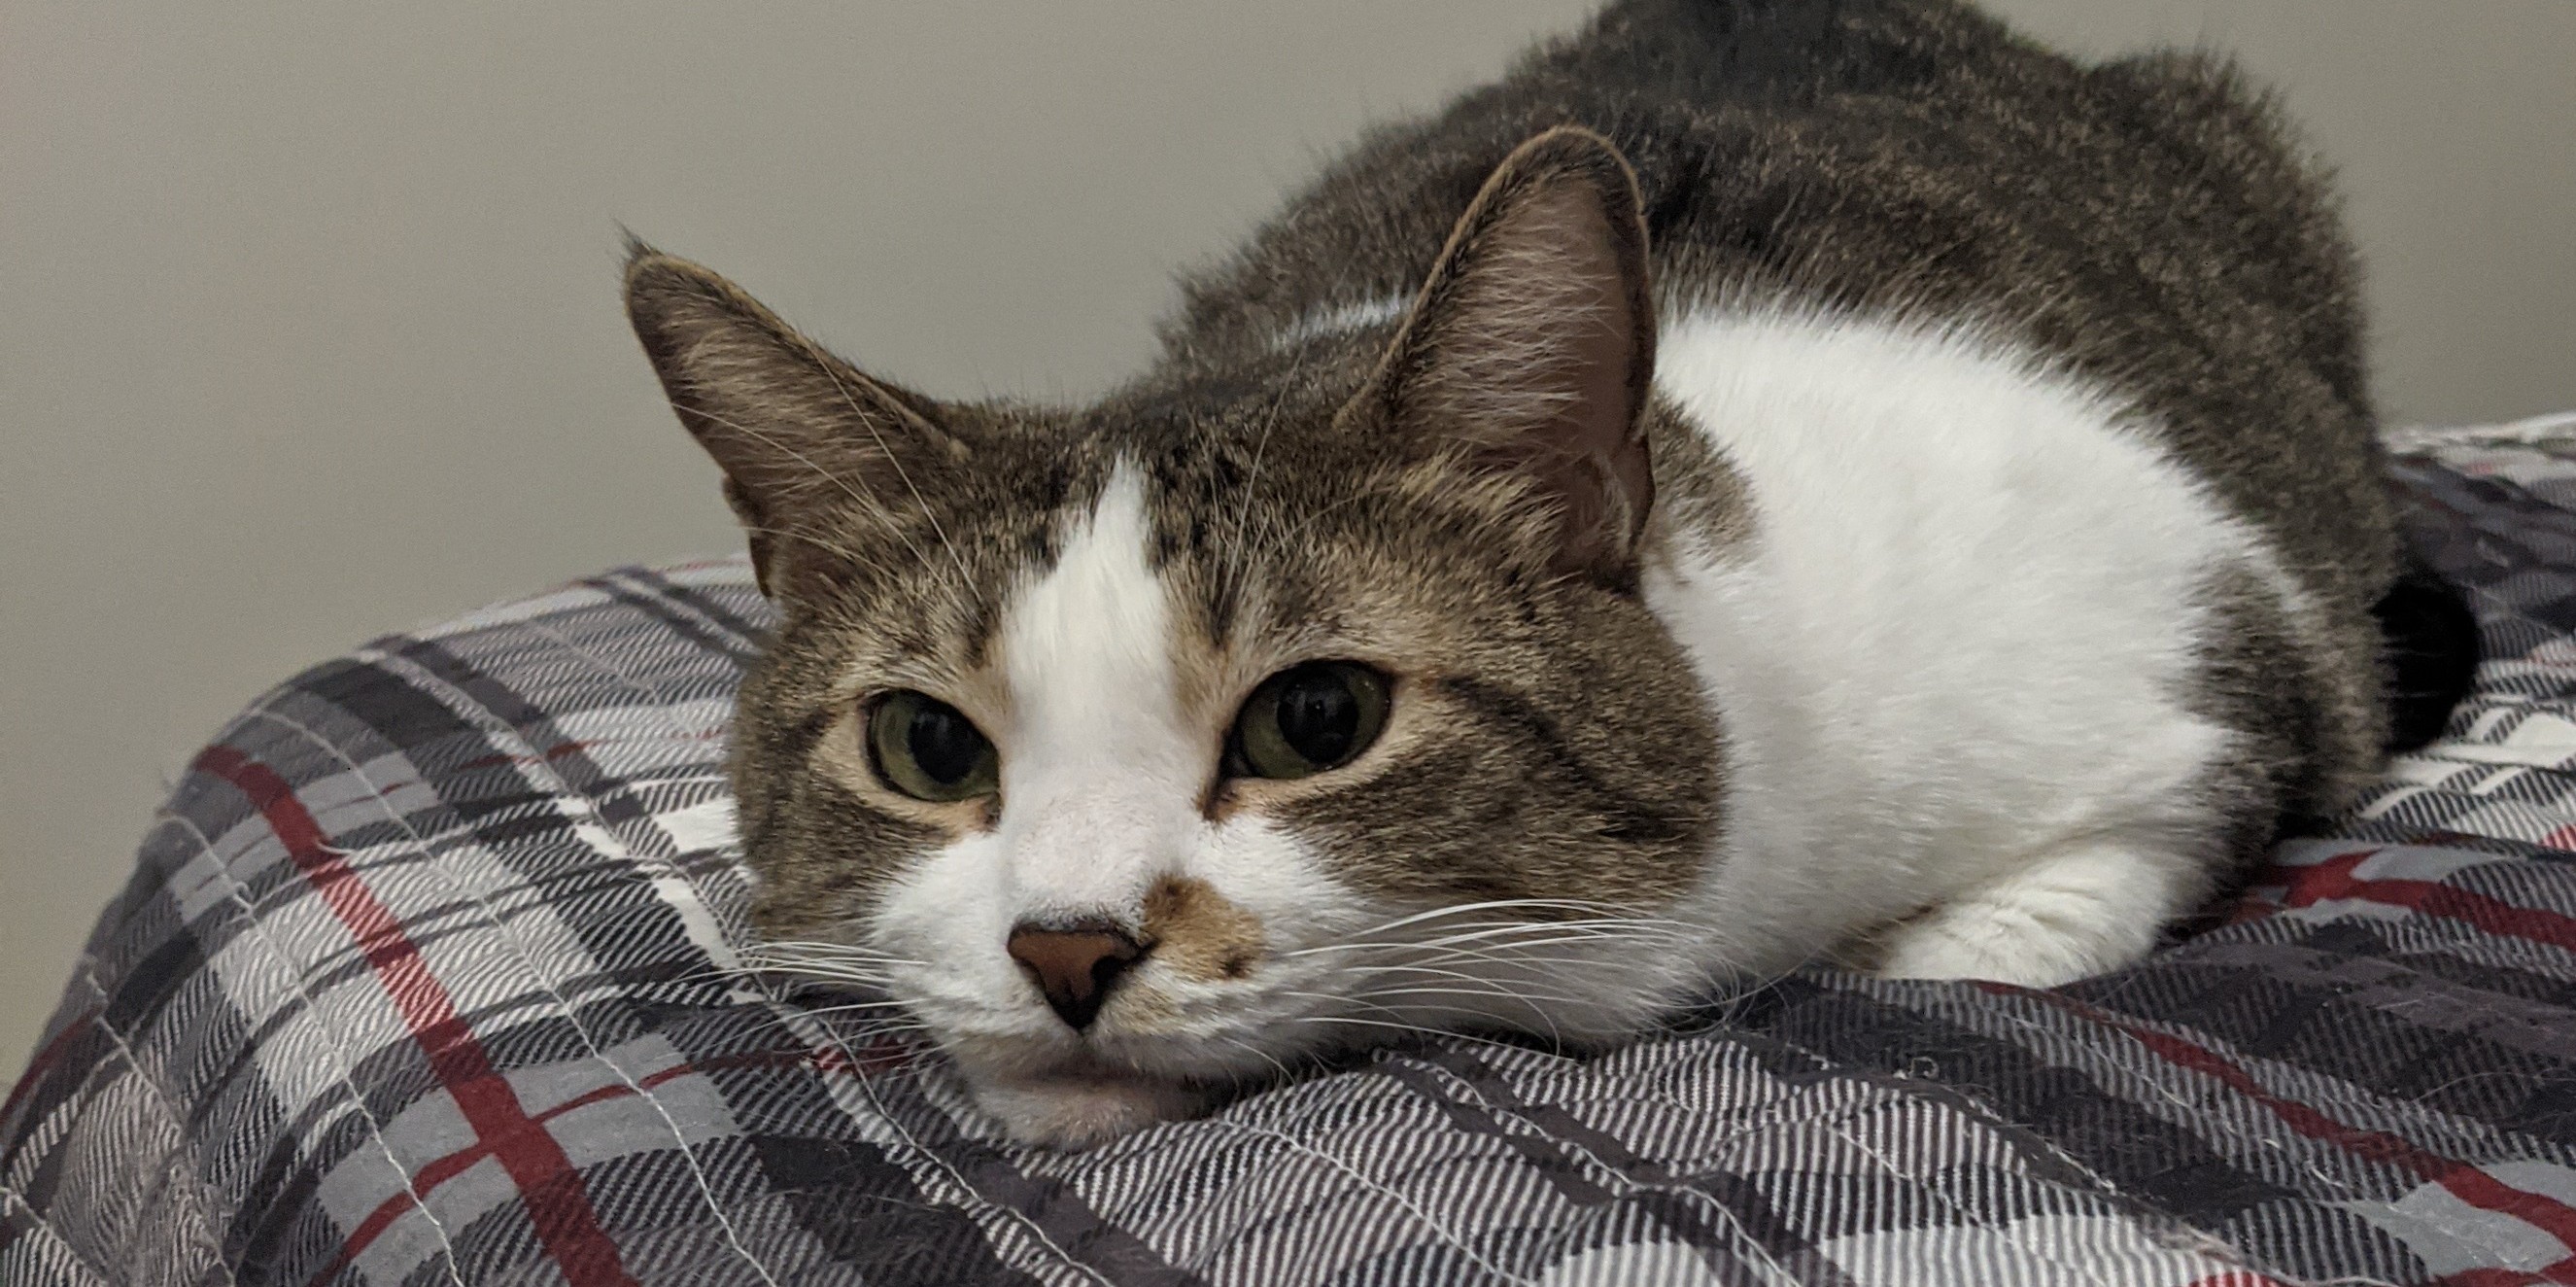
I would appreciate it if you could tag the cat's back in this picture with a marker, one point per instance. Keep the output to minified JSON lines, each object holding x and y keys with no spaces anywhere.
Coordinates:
{"x":2146,"y":224}
{"x":2143,"y":236}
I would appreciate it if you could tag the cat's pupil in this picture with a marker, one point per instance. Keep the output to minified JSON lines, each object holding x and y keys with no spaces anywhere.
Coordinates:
{"x":1318,"y":716}
{"x":943,"y":744}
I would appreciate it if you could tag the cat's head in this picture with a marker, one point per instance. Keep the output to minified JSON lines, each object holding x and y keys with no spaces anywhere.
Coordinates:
{"x":1299,"y":693}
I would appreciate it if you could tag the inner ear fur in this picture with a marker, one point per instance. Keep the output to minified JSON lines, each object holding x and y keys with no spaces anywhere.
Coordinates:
{"x":1532,"y":346}
{"x":796,"y":430}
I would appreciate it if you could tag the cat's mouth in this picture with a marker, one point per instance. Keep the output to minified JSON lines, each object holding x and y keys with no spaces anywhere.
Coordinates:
{"x":1288,"y":1014}
{"x":1138,"y":1040}
{"x":1076,"y":1112}
{"x":1070,"y":1090}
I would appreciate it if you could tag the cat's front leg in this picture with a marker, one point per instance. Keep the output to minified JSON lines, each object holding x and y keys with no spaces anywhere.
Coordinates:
{"x":2068,"y":915}
{"x":1079,"y":1112}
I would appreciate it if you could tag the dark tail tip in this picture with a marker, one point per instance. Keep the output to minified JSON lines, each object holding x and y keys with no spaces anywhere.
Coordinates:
{"x":2432,"y":639}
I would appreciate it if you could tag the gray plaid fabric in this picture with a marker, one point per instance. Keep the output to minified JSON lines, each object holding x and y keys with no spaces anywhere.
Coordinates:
{"x":418,"y":982}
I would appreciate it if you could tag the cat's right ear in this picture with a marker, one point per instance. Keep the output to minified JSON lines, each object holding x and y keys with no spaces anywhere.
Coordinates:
{"x":1532,"y":347}
{"x":796,"y":430}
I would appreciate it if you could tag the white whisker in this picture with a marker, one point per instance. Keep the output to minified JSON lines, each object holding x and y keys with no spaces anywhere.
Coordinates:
{"x":1266,"y":1057}
{"x":825,"y":362}
{"x":1412,"y":1028}
{"x":1476,"y":1011}
{"x":826,"y":947}
{"x":1499,"y":904}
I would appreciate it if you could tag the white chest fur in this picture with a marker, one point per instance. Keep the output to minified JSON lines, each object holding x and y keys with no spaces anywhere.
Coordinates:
{"x":1950,"y":663}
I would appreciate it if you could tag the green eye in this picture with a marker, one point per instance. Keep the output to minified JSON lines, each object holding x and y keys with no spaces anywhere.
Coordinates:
{"x":1307,"y":719}
{"x":925,"y":749}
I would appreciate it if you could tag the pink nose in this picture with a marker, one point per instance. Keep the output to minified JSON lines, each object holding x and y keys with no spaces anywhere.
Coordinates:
{"x":1074,"y":964}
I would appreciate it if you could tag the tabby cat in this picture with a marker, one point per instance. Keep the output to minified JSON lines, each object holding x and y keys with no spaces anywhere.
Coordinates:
{"x":1767,"y":481}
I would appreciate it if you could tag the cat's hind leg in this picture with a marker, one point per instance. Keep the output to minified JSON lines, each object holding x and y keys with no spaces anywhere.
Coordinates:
{"x":2077,"y":912}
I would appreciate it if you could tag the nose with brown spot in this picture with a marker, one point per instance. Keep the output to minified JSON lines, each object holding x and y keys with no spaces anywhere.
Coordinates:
{"x":1074,"y":964}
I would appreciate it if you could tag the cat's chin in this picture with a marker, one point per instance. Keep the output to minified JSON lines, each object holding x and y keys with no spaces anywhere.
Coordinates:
{"x":1073,"y":1112}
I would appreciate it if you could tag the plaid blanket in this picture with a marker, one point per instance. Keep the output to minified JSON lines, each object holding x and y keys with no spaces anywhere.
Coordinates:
{"x":419,"y":981}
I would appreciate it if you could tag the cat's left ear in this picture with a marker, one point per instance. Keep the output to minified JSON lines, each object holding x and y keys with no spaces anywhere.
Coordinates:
{"x":799,"y":433}
{"x":1533,"y":345}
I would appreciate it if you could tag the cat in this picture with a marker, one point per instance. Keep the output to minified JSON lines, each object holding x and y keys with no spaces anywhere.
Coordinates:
{"x":1766,"y":482}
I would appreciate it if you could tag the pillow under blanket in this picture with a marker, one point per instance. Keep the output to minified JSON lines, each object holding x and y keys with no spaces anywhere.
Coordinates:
{"x":422,"y":979}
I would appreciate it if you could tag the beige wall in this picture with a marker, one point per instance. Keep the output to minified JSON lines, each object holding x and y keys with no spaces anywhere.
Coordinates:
{"x":307,"y":328}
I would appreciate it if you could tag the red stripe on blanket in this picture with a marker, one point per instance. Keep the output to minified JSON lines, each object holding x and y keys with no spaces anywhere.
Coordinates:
{"x":2464,"y":1181}
{"x":456,"y":1163}
{"x":552,"y":1191}
{"x":2334,"y":879}
{"x":876,"y":1056}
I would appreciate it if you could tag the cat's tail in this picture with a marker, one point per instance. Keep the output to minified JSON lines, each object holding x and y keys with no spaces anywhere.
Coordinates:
{"x":2432,"y":651}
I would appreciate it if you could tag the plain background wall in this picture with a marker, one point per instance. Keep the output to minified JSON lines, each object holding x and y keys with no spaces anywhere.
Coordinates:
{"x":308,"y":328}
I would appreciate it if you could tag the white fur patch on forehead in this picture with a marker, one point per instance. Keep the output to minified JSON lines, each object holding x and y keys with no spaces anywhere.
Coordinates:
{"x":1086,"y":650}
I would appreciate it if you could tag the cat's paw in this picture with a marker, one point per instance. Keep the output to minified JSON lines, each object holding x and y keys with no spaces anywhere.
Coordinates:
{"x":2060,"y":919}
{"x":1971,"y":942}
{"x":1072,"y":1113}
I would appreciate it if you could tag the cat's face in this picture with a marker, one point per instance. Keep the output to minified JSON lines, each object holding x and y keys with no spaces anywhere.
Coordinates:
{"x":1288,"y":699}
